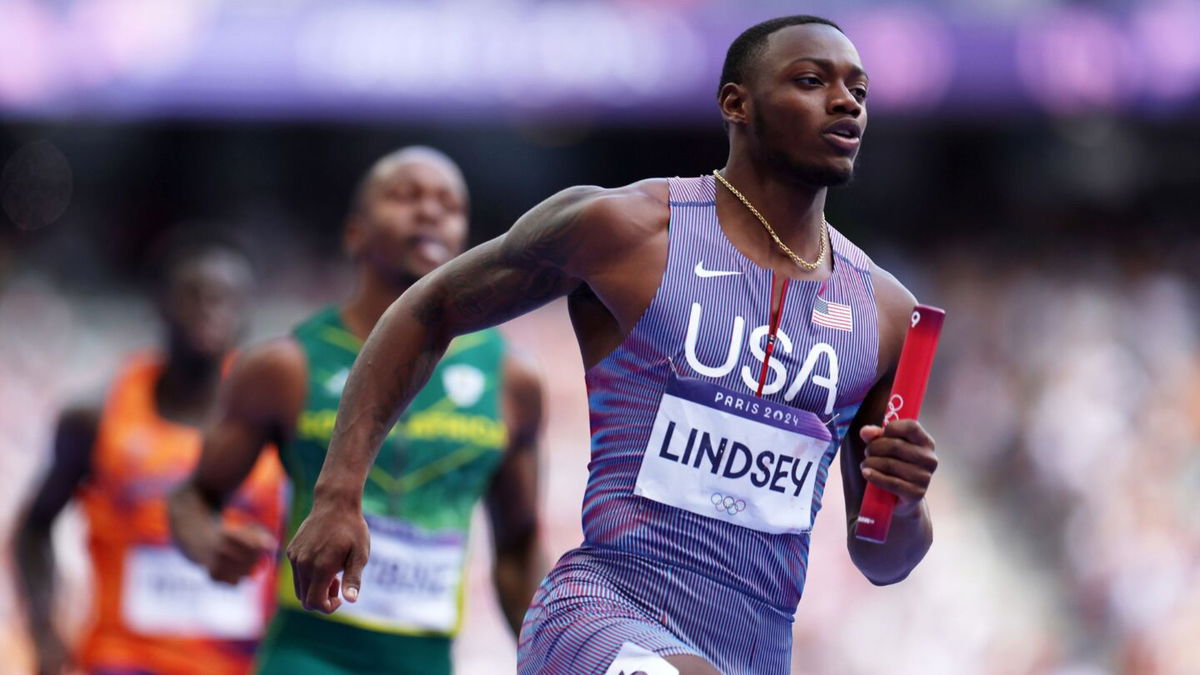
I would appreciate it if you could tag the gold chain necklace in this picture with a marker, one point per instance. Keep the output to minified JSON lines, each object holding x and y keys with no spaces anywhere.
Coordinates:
{"x":810,"y":266}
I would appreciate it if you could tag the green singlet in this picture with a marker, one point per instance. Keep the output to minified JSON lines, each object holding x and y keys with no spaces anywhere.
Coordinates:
{"x":431,"y":470}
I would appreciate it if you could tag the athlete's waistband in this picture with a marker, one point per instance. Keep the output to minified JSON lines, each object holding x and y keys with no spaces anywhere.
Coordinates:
{"x":627,"y":569}
{"x":337,"y":641}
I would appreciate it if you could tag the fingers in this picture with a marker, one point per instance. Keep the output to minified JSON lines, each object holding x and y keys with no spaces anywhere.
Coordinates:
{"x":301,"y":578}
{"x":906,"y":491}
{"x":314,"y":573}
{"x":899,"y":467}
{"x":352,"y":578}
{"x":870,"y":432}
{"x":903,"y":451}
{"x":325,"y":545}
{"x":322,"y":594}
{"x":915,"y":477}
{"x":260,"y":538}
{"x":909,"y":430}
{"x":899,"y":458}
{"x":237,"y":553}
{"x":298,"y":586}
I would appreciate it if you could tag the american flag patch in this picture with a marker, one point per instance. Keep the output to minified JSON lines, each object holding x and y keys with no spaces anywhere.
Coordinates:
{"x":832,"y":315}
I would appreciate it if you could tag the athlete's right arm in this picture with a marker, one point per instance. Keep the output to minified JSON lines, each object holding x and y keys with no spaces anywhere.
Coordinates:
{"x":549,"y":252}
{"x":258,"y":404}
{"x":73,"y":442}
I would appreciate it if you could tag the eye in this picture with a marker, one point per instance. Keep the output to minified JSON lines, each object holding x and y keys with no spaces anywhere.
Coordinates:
{"x":810,"y":80}
{"x":860,"y":93}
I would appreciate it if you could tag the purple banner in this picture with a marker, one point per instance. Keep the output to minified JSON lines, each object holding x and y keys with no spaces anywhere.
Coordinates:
{"x":484,"y":61}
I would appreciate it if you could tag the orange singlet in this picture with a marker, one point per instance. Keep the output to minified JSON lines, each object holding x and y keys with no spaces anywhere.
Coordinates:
{"x":156,"y":611}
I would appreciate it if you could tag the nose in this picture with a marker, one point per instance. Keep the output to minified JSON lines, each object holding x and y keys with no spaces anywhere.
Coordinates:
{"x":843,"y":102}
{"x":430,"y":209}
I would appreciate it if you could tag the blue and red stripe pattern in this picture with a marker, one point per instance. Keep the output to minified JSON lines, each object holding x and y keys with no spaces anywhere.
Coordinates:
{"x":700,"y":585}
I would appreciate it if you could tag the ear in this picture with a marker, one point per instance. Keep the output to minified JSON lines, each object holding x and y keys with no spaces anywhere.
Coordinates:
{"x":354,"y":235}
{"x":735,"y":104}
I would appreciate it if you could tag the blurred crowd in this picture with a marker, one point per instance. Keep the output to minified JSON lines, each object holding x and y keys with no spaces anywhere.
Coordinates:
{"x":1031,"y":179}
{"x":1066,"y":406}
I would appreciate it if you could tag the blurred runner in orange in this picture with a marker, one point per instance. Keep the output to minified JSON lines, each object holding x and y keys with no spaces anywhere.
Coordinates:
{"x":155,"y":611}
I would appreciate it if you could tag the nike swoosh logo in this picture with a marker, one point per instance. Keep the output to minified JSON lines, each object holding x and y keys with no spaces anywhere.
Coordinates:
{"x":706,"y":274}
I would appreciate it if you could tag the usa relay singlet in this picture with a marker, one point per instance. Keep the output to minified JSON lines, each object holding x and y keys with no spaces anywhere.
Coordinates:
{"x":700,"y":495}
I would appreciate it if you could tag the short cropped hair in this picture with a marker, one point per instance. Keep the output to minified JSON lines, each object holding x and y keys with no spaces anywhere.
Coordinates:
{"x":748,"y":46}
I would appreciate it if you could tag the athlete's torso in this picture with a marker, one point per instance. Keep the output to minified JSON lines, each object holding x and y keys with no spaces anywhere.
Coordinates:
{"x":431,"y":470}
{"x":709,"y":321}
{"x":155,"y":610}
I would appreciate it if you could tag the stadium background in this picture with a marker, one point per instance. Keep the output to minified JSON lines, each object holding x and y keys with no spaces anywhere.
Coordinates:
{"x":1030,"y":165}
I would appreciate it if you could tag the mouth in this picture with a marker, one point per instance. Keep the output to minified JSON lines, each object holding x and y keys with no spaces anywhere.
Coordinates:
{"x":845,"y":135}
{"x":432,"y":250}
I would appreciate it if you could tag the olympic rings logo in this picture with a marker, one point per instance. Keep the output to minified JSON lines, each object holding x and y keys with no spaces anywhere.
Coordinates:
{"x":895,"y":403}
{"x":730,"y":505}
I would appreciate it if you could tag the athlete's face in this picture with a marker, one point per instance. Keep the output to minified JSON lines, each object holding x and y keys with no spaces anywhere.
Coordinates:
{"x":206,"y":302}
{"x":411,"y":219}
{"x":806,"y":104}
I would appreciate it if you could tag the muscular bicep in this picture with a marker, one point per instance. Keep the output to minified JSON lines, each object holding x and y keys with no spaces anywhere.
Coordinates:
{"x":74,"y":438}
{"x":544,"y":256}
{"x":258,"y":405}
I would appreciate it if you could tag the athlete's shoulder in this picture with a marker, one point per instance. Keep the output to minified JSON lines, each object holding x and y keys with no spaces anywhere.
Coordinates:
{"x":890,"y":291}
{"x":609,"y":211}
{"x":585,"y":228}
{"x":642,"y":205}
{"x":276,"y":359}
{"x":268,"y":380}
{"x":314,"y":322}
{"x":894,"y":304}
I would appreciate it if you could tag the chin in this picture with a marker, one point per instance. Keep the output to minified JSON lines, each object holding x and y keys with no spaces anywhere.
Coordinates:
{"x":209,"y":350}
{"x":833,"y":172}
{"x":409,"y":274}
{"x":825,"y":175}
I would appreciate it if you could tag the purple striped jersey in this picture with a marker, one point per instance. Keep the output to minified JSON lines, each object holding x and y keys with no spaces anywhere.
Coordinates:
{"x":710,"y":320}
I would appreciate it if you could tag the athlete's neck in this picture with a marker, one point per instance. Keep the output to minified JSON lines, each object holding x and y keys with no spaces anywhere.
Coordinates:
{"x":371,"y":298}
{"x":794,"y":210}
{"x":188,"y":384}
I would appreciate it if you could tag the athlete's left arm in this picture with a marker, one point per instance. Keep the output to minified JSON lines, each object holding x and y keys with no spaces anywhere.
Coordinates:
{"x":899,"y":458}
{"x":512,"y":497}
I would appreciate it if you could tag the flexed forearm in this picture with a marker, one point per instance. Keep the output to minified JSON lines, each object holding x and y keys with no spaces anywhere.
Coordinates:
{"x":490,"y":284}
{"x":395,"y":363}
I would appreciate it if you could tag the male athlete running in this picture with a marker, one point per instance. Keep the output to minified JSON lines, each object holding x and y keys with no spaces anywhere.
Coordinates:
{"x":155,"y":611}
{"x":732,"y":340}
{"x":470,"y":432}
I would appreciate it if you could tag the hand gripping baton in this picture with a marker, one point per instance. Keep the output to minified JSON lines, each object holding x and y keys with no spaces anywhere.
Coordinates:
{"x":908,"y":389}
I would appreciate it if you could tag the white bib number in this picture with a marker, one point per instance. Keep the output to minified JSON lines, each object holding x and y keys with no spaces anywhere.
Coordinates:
{"x":636,"y":660}
{"x":412,"y":578}
{"x":737,"y":458}
{"x":166,"y":594}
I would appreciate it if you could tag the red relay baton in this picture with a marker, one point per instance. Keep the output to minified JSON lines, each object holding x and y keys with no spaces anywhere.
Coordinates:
{"x":908,"y":390}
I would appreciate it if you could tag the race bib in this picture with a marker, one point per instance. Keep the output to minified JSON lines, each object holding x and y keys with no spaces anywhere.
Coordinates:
{"x":737,"y":458}
{"x":165,"y":594}
{"x":637,"y":660}
{"x":412,"y":578}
